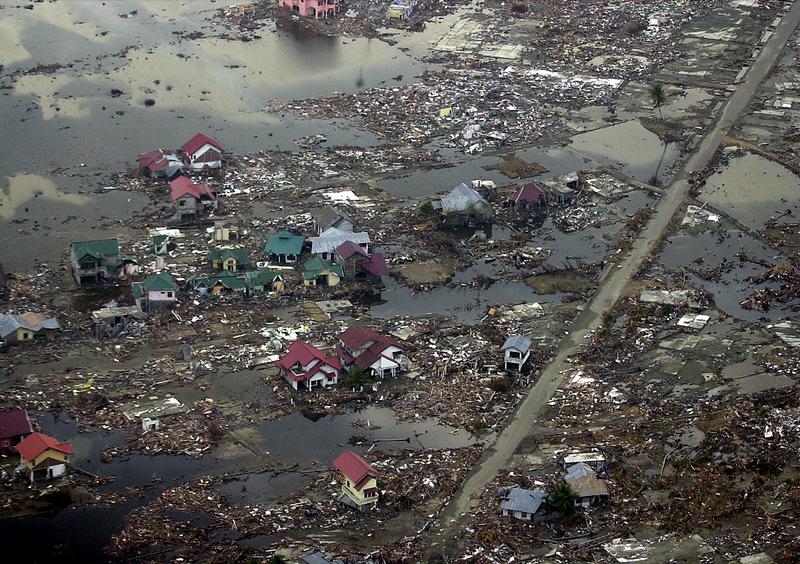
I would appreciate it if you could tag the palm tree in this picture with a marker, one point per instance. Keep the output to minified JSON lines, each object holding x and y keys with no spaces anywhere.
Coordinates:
{"x":658,"y":96}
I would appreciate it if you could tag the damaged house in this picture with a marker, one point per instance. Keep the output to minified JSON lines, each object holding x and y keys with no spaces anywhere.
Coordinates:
{"x":371,"y":352}
{"x":520,"y":503}
{"x":94,"y":261}
{"x":588,"y":488}
{"x":319,"y":272}
{"x":110,"y":320}
{"x":306,"y":366}
{"x":192,"y":201}
{"x":325,"y":245}
{"x":516,"y":351}
{"x":21,"y":328}
{"x":161,"y":163}
{"x":284,"y":247}
{"x":531,"y":198}
{"x":358,"y":264}
{"x":328,"y":217}
{"x":319,"y":9}
{"x":14,"y":427}
{"x":464,"y":206}
{"x":202,"y":151}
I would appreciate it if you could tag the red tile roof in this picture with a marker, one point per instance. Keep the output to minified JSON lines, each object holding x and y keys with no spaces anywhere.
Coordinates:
{"x":530,"y":194}
{"x":197,"y":142}
{"x":145,"y":159}
{"x":354,"y":468}
{"x":35,"y":444}
{"x":182,"y":186}
{"x":303,"y":353}
{"x":14,"y":424}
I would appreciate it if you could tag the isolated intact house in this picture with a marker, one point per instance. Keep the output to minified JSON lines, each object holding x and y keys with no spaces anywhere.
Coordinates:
{"x":516,"y":351}
{"x":531,"y":198}
{"x":359,"y":480}
{"x":94,"y":261}
{"x":191,"y":200}
{"x":370,"y":351}
{"x":305,"y":366}
{"x":520,"y":503}
{"x":44,"y":457}
{"x":463,"y":205}
{"x":319,"y":9}
{"x":202,"y":151}
{"x":588,"y":488}
{"x":14,"y":427}
{"x":156,"y":291}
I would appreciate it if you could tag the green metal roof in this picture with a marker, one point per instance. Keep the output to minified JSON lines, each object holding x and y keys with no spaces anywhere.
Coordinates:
{"x":229,"y":280}
{"x":315,"y":266}
{"x":98,"y":249}
{"x":220,"y":255}
{"x":161,"y":282}
{"x":159,"y":239}
{"x":284,"y":243}
{"x":137,"y":290}
{"x":262,"y":277}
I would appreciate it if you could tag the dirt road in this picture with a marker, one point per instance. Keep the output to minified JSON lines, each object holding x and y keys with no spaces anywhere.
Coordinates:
{"x":614,"y":282}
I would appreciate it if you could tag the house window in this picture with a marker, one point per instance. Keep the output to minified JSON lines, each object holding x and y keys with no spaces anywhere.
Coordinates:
{"x":6,"y":443}
{"x":87,"y":266}
{"x":182,"y":203}
{"x":397,"y":354}
{"x":26,"y":335}
{"x":514,"y":354}
{"x":169,"y":294}
{"x":524,"y":514}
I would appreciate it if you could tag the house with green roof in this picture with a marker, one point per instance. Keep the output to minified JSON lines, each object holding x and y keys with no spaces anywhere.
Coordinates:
{"x":230,"y":259}
{"x":221,"y":283}
{"x":319,"y":272}
{"x":157,"y":291}
{"x":264,"y":280}
{"x":284,"y":247}
{"x":92,"y":262}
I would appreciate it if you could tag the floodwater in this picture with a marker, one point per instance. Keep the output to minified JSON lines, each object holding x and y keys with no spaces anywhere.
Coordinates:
{"x":84,"y":531}
{"x":752,"y":189}
{"x":707,"y":251}
{"x":629,"y":147}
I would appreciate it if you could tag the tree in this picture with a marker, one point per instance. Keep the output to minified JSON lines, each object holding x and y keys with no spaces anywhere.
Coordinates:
{"x":562,"y":500}
{"x":357,"y":378}
{"x":658,"y":95}
{"x":426,"y":208}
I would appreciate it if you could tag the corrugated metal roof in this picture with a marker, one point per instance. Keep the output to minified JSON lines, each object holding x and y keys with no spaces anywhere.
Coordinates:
{"x":520,"y":499}
{"x":330,"y":239}
{"x":462,"y":198}
{"x":518,"y":342}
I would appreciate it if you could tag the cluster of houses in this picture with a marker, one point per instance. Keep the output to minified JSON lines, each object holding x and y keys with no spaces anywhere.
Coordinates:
{"x":306,"y":367}
{"x":581,"y":476}
{"x":42,"y":457}
{"x":469,"y":204}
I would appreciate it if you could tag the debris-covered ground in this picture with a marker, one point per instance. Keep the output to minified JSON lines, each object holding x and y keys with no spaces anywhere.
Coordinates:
{"x":688,"y":389}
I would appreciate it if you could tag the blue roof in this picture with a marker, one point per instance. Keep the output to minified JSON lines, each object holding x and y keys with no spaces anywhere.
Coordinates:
{"x":517,"y":342}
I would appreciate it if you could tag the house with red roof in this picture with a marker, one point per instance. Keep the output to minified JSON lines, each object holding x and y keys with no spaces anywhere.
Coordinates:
{"x":160,"y":163}
{"x":44,"y":456}
{"x":374,"y":354}
{"x":305,"y":366}
{"x":358,"y":264}
{"x":14,"y":427}
{"x":191,"y":200}
{"x":359,"y":483}
{"x":202,"y":151}
{"x":531,"y":197}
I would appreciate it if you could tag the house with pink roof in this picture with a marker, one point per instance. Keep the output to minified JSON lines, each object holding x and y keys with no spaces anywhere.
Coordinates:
{"x":531,"y":197}
{"x":319,"y":9}
{"x":374,"y":354}
{"x":359,"y":483}
{"x":191,"y":200}
{"x":306,"y":366}
{"x":202,"y":151}
{"x":358,"y":264}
